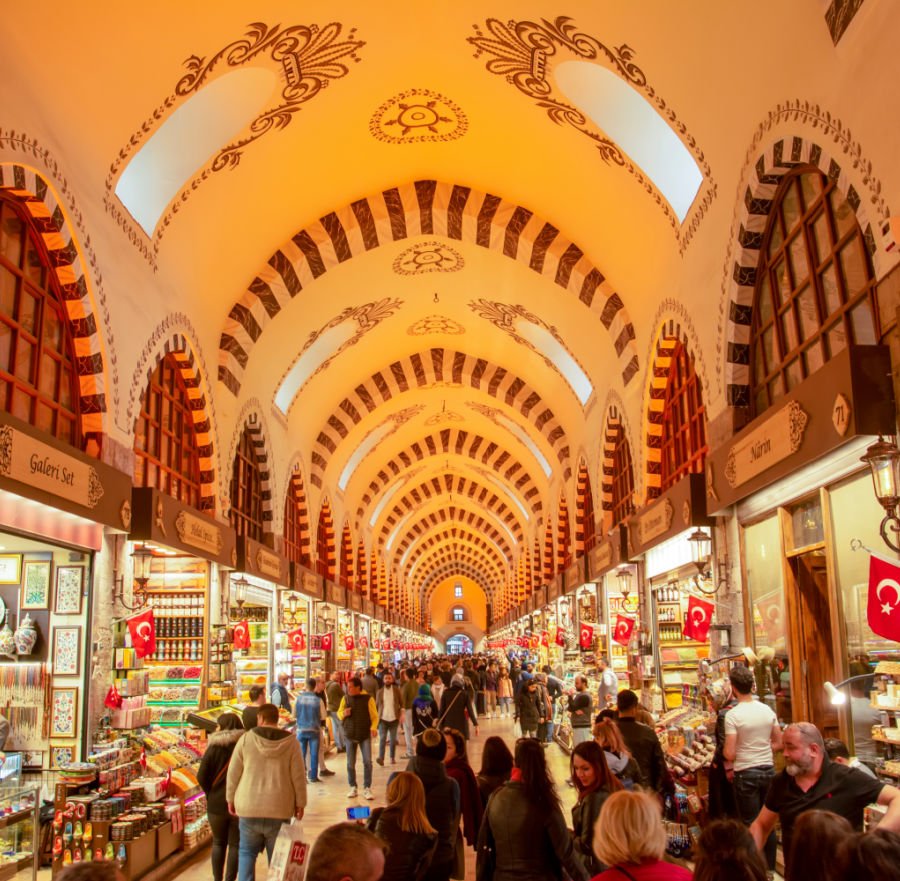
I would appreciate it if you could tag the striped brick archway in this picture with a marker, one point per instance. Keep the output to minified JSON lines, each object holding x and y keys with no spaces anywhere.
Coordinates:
{"x":39,"y":198}
{"x":427,"y":533}
{"x":461,"y":546}
{"x":183,"y":353}
{"x":462,"y":443}
{"x":765,"y":174}
{"x":433,"y":580}
{"x":425,"y":207}
{"x":670,"y":334}
{"x":422,"y":370}
{"x":251,"y":422}
{"x":613,"y":426}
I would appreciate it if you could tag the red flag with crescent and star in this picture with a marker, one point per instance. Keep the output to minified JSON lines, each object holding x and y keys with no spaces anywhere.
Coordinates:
{"x":770,"y":611}
{"x":623,"y":630}
{"x":326,"y":642}
{"x":560,"y":637}
{"x":297,"y":639}
{"x":364,"y":642}
{"x":241,"y":635}
{"x":697,"y":619}
{"x":348,"y":642}
{"x":143,"y":633}
{"x":545,"y":638}
{"x":586,"y":639}
{"x":884,"y":598}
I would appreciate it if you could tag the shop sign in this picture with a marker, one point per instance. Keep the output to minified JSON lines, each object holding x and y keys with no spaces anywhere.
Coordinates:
{"x":574,"y":576}
{"x":257,"y":559}
{"x":553,"y":590}
{"x":199,"y":533}
{"x":270,"y":564}
{"x":775,"y":439}
{"x":655,"y":522}
{"x":334,"y":593}
{"x":306,"y":581}
{"x":681,"y":507}
{"x":355,"y":601}
{"x":601,"y":558}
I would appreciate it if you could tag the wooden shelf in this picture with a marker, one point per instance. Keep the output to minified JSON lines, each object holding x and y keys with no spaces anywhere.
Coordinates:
{"x":12,"y":819}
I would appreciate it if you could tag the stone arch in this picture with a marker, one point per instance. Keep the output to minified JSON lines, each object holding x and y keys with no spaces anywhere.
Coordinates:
{"x":422,"y":370}
{"x":448,"y":570}
{"x":304,"y":525}
{"x":764,"y":171}
{"x":38,"y":196}
{"x":614,"y":423}
{"x":251,"y":419}
{"x":164,"y":341}
{"x":424,"y":207}
{"x":434,"y":537}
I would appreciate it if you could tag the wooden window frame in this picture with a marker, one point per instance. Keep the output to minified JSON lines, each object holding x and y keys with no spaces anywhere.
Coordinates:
{"x":246,"y":491}
{"x":683,"y":445}
{"x":622,"y":479}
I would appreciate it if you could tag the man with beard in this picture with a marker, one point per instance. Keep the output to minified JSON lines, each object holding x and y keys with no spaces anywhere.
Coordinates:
{"x":811,"y":781}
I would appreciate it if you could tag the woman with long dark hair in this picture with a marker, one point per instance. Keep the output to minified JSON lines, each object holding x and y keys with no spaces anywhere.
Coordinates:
{"x":821,"y":847}
{"x":458,"y":768}
{"x":496,"y":766}
{"x":523,"y":835}
{"x":618,"y":757}
{"x":594,"y":783}
{"x":726,"y":852}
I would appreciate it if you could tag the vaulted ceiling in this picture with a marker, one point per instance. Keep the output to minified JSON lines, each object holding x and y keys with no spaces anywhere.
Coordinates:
{"x":425,"y":266}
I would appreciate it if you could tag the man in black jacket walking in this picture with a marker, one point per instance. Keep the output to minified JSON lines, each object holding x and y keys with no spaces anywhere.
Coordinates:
{"x":643,"y":744}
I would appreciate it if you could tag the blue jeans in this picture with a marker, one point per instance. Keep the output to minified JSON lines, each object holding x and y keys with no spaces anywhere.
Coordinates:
{"x":309,"y":746}
{"x":750,"y":788}
{"x":408,"y":732}
{"x":385,"y":730}
{"x":338,"y":728}
{"x":256,"y":833}
{"x":505,"y":703}
{"x":366,"y":747}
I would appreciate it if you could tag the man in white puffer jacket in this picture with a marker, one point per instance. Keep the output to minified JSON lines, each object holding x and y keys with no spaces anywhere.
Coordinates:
{"x":266,"y":787}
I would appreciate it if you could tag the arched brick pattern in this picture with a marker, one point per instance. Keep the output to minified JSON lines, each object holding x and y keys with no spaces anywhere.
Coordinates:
{"x":362,"y":569}
{"x":326,"y":545}
{"x":615,"y":435}
{"x":765,"y":175}
{"x":425,"y":207}
{"x":49,"y":219}
{"x":585,"y":522}
{"x":453,"y":536}
{"x":422,"y":370}
{"x":461,"y":443}
{"x":549,"y":554}
{"x":182,"y":352}
{"x":537,"y":567}
{"x":462,"y":547}
{"x":346,"y":558}
{"x":252,"y":427}
{"x":374,"y":584}
{"x":298,"y":537}
{"x":495,"y":579}
{"x":450,"y":570}
{"x":563,"y":536}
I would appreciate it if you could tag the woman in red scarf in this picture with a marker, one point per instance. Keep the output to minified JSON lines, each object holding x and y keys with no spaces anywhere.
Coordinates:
{"x":457,"y":765}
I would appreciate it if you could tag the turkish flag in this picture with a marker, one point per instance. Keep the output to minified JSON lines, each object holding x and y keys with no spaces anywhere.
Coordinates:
{"x":348,"y":642}
{"x":884,"y":598}
{"x":113,"y":699}
{"x":560,"y":637}
{"x":623,"y":630}
{"x":697,"y":619}
{"x":241,"y":636}
{"x":364,"y":642}
{"x":587,"y":636}
{"x":143,"y":633}
{"x":327,"y":639}
{"x":297,"y":640}
{"x":395,"y":644}
{"x":770,"y":611}
{"x":545,"y":638}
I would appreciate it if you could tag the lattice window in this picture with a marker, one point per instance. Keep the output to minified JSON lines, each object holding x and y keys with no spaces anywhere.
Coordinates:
{"x":326,"y":551}
{"x":459,"y":614}
{"x":563,"y":539}
{"x":622,"y":478}
{"x":683,"y":445}
{"x":346,"y":560}
{"x":296,"y":523}
{"x":166,"y":452}
{"x":815,"y":289}
{"x":38,"y":377}
{"x":246,"y":490}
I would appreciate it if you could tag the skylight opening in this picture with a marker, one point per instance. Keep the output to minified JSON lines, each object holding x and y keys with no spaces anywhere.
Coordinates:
{"x":633,"y":123}
{"x":200,"y":127}
{"x":549,"y":346}
{"x":384,"y":500}
{"x":363,"y":450}
{"x":523,"y":437}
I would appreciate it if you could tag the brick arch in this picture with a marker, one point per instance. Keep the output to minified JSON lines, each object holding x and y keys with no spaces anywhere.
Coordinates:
{"x":182,"y":350}
{"x":764,"y":175}
{"x":461,"y":443}
{"x":451,"y":570}
{"x":563,"y":553}
{"x":447,"y":484}
{"x":454,"y":556}
{"x":429,"y":535}
{"x":346,"y":569}
{"x":613,"y":426}
{"x":425,"y":207}
{"x":40,"y":199}
{"x":297,"y":488}
{"x":462,"y":548}
{"x":326,"y":542}
{"x":250,"y":418}
{"x":585,"y":517}
{"x":422,"y":370}
{"x":670,"y":334}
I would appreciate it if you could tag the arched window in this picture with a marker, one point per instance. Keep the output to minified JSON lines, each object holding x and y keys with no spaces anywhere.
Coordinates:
{"x":585,"y":527}
{"x":815,"y":289}
{"x":563,"y":539}
{"x":683,"y":446}
{"x":246,"y":490}
{"x":326,"y":551}
{"x":346,"y":560}
{"x":38,"y":379}
{"x":296,"y":523}
{"x":166,"y":452}
{"x":621,"y":479}
{"x":459,"y":613}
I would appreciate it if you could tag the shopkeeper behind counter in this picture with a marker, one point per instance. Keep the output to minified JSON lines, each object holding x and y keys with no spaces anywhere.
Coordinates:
{"x":257,"y":696}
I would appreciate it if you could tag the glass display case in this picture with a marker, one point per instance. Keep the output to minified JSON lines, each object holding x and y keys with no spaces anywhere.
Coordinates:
{"x":19,"y":831}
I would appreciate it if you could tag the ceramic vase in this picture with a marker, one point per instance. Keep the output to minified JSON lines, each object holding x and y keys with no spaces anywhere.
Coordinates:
{"x":7,"y":641}
{"x":25,"y":636}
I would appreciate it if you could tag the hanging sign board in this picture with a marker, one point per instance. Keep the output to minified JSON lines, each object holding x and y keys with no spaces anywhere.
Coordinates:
{"x":680,"y":507}
{"x":307,"y":582}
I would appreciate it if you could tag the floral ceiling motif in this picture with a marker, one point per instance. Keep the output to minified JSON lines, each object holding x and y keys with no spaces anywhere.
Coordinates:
{"x":436,"y":324}
{"x":426,"y":257}
{"x":416,"y":116}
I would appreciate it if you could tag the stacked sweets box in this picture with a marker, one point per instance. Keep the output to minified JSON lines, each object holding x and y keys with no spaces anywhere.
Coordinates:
{"x":127,"y":659}
{"x":135,"y":682}
{"x":134,"y":713}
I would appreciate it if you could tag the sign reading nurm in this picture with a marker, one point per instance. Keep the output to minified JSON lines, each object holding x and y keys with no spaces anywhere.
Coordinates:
{"x":40,"y":467}
{"x":163,"y":520}
{"x":307,"y":582}
{"x":850,"y":395}
{"x":680,"y":507}
{"x":608,"y":554}
{"x":255,"y":558}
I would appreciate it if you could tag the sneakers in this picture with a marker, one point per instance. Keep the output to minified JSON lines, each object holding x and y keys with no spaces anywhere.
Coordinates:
{"x":326,"y":772}
{"x":313,"y":780}
{"x":367,"y":794}
{"x":352,"y":793}
{"x":393,"y":761}
{"x":380,"y":761}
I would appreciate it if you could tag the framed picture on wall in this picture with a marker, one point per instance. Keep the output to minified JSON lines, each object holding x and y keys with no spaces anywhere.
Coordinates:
{"x":67,"y":651}
{"x":69,"y":584}
{"x":35,"y":584}
{"x":32,"y":759}
{"x":10,"y":568}
{"x":64,"y":712}
{"x":61,"y":754}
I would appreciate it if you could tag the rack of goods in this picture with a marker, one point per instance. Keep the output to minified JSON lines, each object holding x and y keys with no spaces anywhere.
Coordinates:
{"x":252,"y":665}
{"x":288,"y":659}
{"x":131,"y":681}
{"x":221,"y":686}
{"x":627,"y":607}
{"x":679,"y":658}
{"x":19,"y":832}
{"x":876,"y":722}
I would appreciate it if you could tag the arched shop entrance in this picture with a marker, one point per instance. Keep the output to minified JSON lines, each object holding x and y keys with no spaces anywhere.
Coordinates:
{"x":459,"y":644}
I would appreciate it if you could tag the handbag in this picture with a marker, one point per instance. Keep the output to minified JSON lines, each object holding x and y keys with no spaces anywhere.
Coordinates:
{"x":444,"y":714}
{"x":289,"y":854}
{"x":218,"y":778}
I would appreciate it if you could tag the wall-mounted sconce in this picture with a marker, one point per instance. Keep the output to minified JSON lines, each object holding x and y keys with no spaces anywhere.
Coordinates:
{"x":701,"y":550}
{"x":141,"y":557}
{"x":883,"y":459}
{"x":239,"y":587}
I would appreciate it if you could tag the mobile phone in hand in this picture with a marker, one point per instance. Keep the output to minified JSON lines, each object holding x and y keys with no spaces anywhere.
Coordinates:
{"x":359,"y":812}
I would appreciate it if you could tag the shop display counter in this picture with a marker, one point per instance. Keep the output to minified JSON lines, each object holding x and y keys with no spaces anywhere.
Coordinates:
{"x":19,"y":832}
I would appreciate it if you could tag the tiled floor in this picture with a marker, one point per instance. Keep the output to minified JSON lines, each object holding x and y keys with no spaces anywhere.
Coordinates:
{"x":328,"y":802}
